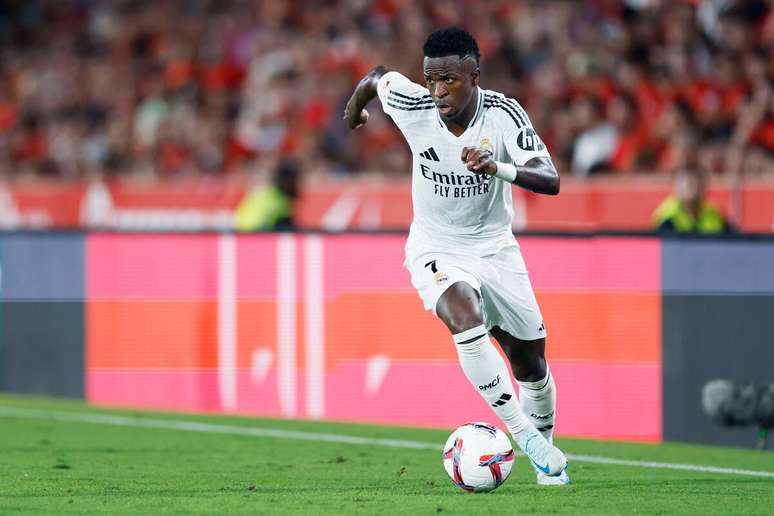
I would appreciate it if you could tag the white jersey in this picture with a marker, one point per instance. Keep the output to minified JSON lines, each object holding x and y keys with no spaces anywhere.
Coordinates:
{"x":457,"y":211}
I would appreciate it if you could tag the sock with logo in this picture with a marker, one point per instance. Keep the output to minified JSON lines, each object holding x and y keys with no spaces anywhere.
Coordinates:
{"x":486,"y":370}
{"x":538,"y":401}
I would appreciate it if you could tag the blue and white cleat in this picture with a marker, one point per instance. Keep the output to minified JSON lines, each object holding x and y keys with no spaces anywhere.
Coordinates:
{"x":560,"y":480}
{"x":544,"y":456}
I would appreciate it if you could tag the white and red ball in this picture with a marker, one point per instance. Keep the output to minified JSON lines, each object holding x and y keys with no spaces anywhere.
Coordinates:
{"x":478,"y":457}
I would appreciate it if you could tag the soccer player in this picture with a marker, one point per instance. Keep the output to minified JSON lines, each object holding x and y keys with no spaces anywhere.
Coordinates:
{"x":469,"y":146}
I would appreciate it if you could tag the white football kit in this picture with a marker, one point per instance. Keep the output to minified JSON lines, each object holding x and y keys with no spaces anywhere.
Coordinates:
{"x":461,"y":230}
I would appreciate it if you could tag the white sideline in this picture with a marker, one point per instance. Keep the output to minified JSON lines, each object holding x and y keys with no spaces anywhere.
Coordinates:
{"x":194,"y":426}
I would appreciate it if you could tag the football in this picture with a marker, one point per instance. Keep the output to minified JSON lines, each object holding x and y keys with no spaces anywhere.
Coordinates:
{"x":478,"y":457}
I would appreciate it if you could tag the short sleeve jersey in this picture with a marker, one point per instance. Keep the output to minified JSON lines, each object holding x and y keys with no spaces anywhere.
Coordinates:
{"x":456,"y":210}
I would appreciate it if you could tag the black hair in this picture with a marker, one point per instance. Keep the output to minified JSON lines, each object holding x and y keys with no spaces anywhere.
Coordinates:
{"x":451,"y":41}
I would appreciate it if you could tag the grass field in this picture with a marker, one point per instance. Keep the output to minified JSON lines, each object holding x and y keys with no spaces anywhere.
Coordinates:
{"x":65,"y":457}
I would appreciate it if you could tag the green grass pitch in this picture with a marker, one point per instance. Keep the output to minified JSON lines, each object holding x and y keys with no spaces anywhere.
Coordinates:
{"x":140,"y":465}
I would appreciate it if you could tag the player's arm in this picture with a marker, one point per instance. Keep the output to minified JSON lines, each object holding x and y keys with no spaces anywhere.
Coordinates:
{"x":366,"y":90}
{"x":537,"y":174}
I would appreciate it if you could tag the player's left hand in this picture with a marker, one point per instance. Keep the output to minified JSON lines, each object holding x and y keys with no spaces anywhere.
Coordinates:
{"x":354,"y":119}
{"x":479,"y":160}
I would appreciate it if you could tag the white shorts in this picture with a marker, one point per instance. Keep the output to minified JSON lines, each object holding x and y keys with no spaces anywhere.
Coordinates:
{"x":500,"y":279}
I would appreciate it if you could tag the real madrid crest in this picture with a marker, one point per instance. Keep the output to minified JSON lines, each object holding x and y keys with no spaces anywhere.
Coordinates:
{"x":440,"y":278}
{"x":486,"y":143}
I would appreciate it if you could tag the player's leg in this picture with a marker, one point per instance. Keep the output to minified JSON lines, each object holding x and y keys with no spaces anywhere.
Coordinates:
{"x":460,"y":308}
{"x":517,"y":324}
{"x":537,"y":389}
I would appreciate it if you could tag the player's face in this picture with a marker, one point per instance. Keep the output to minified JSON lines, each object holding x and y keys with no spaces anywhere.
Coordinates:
{"x":452,"y":82}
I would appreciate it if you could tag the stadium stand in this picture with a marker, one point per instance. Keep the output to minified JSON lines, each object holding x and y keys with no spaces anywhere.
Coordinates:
{"x":175,"y":88}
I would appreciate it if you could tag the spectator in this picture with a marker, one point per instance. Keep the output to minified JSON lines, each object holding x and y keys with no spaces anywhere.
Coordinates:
{"x":596,"y":143}
{"x":270,"y":207}
{"x":686,"y":210}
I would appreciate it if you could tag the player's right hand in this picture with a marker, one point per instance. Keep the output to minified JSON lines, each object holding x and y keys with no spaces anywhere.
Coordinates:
{"x":355,"y":120}
{"x":479,"y":160}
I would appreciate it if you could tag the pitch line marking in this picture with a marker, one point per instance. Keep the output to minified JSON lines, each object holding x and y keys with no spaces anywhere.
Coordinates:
{"x":195,"y":426}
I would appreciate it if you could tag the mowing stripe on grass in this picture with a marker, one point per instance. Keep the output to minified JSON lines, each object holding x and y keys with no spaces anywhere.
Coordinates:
{"x":194,"y":426}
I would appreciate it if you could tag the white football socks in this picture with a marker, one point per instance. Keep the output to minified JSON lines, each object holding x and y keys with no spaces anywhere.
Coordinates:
{"x":486,"y":370}
{"x":538,"y":402}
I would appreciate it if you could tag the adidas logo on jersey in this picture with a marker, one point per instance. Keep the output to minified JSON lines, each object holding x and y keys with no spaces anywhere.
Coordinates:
{"x":430,"y":154}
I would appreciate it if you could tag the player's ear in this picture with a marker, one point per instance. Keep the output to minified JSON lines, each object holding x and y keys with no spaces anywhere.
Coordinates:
{"x":475,"y":75}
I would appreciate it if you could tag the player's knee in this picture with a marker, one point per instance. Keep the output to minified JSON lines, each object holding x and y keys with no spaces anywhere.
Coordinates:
{"x":529,"y":368}
{"x":463,"y":322}
{"x":460,"y":308}
{"x":527,"y":358}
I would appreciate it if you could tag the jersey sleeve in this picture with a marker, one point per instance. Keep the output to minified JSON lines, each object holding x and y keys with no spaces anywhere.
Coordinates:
{"x":402,"y":99}
{"x":520,"y":138}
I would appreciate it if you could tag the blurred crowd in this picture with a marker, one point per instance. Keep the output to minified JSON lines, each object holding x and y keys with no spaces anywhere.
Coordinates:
{"x":177,"y":88}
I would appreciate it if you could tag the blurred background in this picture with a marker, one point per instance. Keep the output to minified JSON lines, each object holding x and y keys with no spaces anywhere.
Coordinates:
{"x":166,"y":114}
{"x":178,"y":120}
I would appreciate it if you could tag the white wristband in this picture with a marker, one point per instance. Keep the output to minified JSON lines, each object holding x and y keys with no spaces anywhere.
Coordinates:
{"x":506,"y":171}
